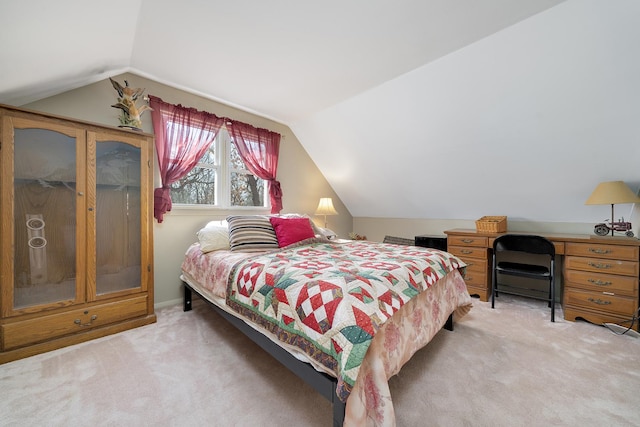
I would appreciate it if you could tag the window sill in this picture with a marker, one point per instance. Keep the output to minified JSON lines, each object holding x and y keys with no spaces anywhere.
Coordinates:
{"x":194,"y":210}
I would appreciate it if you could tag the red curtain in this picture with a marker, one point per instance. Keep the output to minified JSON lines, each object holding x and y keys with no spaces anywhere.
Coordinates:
{"x":259,"y":149}
{"x":182,"y":137}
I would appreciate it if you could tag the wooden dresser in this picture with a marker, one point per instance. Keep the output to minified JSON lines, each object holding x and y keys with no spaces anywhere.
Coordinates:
{"x":600,"y":273}
{"x":600,"y":282}
{"x":474,"y":251}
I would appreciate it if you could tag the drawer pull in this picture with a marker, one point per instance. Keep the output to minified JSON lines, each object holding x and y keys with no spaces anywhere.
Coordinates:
{"x":599,"y":265}
{"x":466,"y":251}
{"x":468,"y":240}
{"x":600,"y":251}
{"x":598,"y":301}
{"x":79,"y":323}
{"x":600,"y":282}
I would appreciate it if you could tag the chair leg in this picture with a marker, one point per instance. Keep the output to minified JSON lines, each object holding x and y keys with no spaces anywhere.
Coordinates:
{"x":494,"y":283}
{"x":552,"y":285}
{"x":493,"y":295}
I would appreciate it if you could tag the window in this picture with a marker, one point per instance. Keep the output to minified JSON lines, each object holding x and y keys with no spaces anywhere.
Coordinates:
{"x":246,"y":189}
{"x":187,"y":138}
{"x":220,"y":179}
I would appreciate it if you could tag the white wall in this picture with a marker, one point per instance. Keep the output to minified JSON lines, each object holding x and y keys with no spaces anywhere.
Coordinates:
{"x":302,"y":183}
{"x":523,"y":123}
{"x":376,"y":228}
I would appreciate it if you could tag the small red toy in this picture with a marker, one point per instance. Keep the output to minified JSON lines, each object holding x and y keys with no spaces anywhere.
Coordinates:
{"x":603,"y":228}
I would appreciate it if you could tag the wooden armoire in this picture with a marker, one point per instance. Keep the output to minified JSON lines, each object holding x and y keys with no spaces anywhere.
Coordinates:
{"x":76,"y":241}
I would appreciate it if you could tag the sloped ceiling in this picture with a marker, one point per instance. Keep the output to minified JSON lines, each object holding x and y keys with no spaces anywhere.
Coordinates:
{"x":349,"y":77}
{"x":524,"y":123}
{"x":281,"y":59}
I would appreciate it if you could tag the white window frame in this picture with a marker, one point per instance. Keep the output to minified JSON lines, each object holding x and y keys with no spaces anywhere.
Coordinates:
{"x":222,"y":145}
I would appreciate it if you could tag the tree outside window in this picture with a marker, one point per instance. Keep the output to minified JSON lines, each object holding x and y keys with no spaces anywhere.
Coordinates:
{"x":220,"y":179}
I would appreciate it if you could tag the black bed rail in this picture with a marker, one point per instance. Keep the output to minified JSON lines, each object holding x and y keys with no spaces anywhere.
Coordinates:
{"x":324,"y":384}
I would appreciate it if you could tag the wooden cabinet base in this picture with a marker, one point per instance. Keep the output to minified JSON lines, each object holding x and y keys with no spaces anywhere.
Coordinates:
{"x":20,"y":333}
{"x":78,"y":338}
{"x":597,"y":318}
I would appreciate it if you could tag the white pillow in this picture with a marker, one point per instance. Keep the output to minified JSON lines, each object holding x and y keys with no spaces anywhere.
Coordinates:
{"x":214,"y":236}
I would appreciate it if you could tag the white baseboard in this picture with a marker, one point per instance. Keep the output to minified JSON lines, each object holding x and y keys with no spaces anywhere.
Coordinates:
{"x":167,"y":303}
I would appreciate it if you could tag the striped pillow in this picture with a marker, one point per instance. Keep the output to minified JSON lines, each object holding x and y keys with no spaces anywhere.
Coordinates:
{"x":251,"y":233}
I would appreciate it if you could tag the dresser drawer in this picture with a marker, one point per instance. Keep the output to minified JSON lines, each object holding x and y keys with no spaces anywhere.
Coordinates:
{"x":482,"y":292}
{"x":599,"y":265}
{"x":467,"y":241}
{"x":20,"y":333}
{"x":594,"y":250}
{"x":476,"y":278}
{"x":475,"y":253}
{"x":619,"y":285}
{"x":600,"y":301}
{"x":476,"y":265}
{"x":465,"y":252}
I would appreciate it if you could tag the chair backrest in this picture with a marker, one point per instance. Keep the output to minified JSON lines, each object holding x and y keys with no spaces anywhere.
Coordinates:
{"x":524,"y":243}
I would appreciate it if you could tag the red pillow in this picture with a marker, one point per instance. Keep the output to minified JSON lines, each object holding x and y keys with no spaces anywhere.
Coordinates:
{"x":291,"y":230}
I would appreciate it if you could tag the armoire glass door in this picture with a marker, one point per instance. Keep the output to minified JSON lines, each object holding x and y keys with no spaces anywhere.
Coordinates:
{"x":44,"y":191}
{"x":117,"y":217}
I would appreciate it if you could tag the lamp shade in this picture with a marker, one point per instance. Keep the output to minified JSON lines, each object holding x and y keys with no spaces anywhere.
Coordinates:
{"x":612,"y":192}
{"x":325,"y":207}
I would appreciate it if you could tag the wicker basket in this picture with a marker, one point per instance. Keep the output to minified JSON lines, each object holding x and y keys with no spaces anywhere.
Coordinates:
{"x":492,"y":224}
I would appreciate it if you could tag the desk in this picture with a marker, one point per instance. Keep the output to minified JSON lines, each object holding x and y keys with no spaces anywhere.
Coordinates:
{"x":600,"y":273}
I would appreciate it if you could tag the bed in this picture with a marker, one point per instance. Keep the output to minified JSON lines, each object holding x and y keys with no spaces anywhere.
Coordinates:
{"x":343,"y":315}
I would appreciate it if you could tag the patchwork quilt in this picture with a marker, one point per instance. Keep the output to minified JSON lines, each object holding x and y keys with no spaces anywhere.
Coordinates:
{"x":330,"y":298}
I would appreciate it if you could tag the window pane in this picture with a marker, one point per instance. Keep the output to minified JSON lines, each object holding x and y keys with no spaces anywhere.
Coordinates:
{"x":236,"y":161}
{"x":246,"y":190}
{"x":236,"y":184}
{"x":198,"y":187}
{"x":209,"y":156}
{"x":176,"y":131}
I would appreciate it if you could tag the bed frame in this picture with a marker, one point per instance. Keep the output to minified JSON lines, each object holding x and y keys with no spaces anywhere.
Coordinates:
{"x":321,"y":382}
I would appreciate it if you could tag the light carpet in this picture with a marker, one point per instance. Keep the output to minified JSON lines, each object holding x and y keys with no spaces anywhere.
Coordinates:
{"x":505,"y":367}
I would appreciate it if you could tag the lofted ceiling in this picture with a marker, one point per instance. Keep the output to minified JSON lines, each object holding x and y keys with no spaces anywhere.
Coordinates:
{"x":282,"y":59}
{"x":381,"y":94}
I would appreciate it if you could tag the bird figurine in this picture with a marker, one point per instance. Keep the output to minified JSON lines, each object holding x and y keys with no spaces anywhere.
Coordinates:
{"x":127,"y":97}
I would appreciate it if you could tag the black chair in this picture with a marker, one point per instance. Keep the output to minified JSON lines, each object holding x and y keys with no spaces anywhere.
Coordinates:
{"x":528,"y":245}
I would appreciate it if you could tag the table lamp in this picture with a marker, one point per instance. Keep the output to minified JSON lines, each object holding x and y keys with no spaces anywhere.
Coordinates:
{"x":325,"y":207}
{"x":610,"y":193}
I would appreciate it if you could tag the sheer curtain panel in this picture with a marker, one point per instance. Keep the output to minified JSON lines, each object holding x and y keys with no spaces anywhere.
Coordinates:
{"x":182,"y":137}
{"x":259,"y":150}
